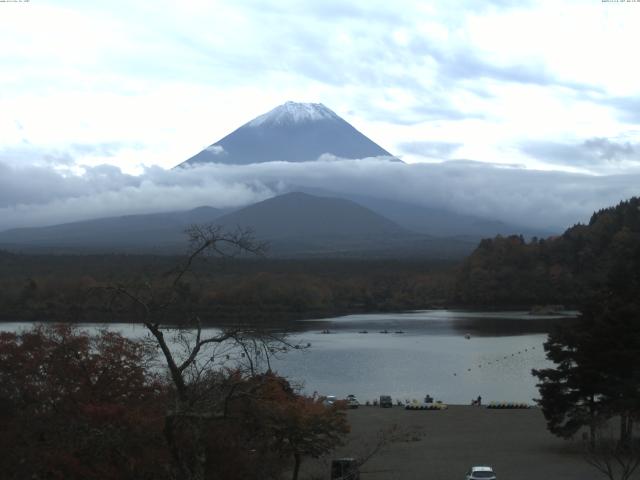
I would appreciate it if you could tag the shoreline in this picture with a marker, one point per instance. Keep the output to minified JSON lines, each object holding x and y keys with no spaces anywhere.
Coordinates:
{"x":290,"y":319}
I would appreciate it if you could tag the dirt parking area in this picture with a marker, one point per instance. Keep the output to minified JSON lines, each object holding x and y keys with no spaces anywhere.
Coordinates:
{"x":442,"y":445}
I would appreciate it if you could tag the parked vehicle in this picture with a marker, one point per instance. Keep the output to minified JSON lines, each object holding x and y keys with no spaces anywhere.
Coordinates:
{"x":352,"y":401}
{"x":385,"y":401}
{"x":329,"y":400}
{"x":345,"y":469}
{"x":480,"y":473}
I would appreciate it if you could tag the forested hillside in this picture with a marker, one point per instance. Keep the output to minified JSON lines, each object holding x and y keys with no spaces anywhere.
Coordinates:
{"x":557,"y":270}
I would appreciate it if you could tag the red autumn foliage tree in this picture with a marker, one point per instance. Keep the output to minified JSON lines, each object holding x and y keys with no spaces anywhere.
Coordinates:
{"x":294,"y":425}
{"x":77,"y":406}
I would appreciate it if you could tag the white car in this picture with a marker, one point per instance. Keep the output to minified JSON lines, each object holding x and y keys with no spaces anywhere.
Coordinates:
{"x":352,"y":401}
{"x":480,"y":473}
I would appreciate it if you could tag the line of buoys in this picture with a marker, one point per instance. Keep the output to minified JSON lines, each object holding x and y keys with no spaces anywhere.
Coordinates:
{"x":425,"y":406}
{"x":508,"y":405}
{"x":505,"y":357}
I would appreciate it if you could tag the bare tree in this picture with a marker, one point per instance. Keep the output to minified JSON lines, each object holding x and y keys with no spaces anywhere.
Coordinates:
{"x":195,"y":357}
{"x":616,"y":460}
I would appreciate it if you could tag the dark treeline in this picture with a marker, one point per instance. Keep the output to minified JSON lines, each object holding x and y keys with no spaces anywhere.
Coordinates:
{"x":557,"y":270}
{"x":259,"y":290}
{"x":501,"y":272}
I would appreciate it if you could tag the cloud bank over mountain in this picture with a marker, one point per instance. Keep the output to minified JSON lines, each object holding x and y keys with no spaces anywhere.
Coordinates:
{"x":43,"y":195}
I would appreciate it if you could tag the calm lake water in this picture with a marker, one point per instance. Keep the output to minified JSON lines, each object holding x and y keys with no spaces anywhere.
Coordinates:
{"x":432,"y":354}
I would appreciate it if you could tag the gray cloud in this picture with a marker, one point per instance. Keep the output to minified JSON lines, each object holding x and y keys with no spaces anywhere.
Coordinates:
{"x":465,"y":65}
{"x":216,"y":150}
{"x":461,"y":64}
{"x":36,"y":196}
{"x":372,"y":59}
{"x":628,"y":108}
{"x":381,"y":63}
{"x":431,"y":105}
{"x":40,"y":185}
{"x":591,"y":152}
{"x":430,"y":149}
{"x":29,"y":154}
{"x":40,"y":195}
{"x":104,"y":149}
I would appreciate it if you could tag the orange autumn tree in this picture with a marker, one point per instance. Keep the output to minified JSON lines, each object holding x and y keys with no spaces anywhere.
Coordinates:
{"x":299,"y":426}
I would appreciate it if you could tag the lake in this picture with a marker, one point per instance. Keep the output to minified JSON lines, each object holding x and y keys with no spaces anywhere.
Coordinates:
{"x":452,"y":355}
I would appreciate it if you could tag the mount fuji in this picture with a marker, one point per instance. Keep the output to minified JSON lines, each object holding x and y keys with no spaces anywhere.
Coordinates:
{"x":292,"y":132}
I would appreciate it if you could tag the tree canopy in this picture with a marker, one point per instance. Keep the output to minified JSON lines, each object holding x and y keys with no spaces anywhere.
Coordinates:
{"x":566,"y":269}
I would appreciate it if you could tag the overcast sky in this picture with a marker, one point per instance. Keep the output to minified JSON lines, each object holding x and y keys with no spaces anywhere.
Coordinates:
{"x":549,"y":86}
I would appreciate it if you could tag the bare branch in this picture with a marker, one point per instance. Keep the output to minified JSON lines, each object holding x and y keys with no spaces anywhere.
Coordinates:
{"x":614,"y":460}
{"x":202,"y":393}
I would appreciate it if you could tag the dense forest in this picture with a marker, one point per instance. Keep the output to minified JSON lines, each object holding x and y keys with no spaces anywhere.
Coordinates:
{"x":224,"y":290}
{"x":558,"y":270}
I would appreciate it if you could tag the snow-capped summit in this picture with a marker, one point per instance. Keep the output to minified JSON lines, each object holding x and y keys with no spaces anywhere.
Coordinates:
{"x":292,"y":132}
{"x":293,"y":112}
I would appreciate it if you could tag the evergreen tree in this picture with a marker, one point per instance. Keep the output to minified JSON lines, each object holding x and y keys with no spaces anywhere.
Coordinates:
{"x":570,"y":392}
{"x":597,"y":373}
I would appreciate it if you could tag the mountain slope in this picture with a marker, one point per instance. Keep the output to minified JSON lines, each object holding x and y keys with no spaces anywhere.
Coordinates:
{"x":301,"y":215}
{"x":292,"y":132}
{"x":302,"y":225}
{"x":436,"y":222}
{"x":149,"y":231}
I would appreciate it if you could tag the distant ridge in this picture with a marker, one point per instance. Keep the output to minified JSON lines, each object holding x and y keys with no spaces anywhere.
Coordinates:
{"x":130,"y":232}
{"x":294,"y":224}
{"x":292,"y":132}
